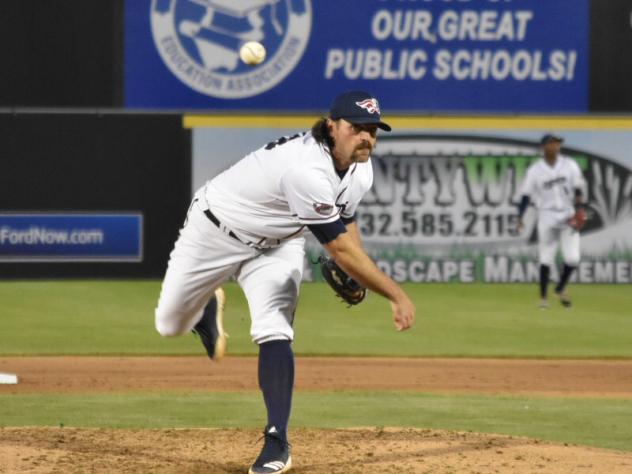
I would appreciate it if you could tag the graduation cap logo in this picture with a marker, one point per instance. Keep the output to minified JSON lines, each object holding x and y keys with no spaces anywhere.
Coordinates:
{"x":199,"y":41}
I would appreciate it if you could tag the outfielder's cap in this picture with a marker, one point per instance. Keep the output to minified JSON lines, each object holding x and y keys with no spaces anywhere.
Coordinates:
{"x":357,"y":107}
{"x":550,"y":137}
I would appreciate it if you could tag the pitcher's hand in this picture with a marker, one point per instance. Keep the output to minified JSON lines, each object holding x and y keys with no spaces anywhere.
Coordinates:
{"x":403,"y":313}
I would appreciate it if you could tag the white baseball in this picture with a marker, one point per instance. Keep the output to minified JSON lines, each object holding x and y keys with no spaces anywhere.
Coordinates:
{"x":252,"y":53}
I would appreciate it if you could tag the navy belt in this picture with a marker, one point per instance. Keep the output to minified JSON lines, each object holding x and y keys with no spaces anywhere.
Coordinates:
{"x":215,"y":220}
{"x":226,"y":230}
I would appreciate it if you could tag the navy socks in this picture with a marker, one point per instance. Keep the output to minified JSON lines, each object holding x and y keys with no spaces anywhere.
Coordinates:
{"x":566,"y":275}
{"x":276,"y":380}
{"x":545,"y":271}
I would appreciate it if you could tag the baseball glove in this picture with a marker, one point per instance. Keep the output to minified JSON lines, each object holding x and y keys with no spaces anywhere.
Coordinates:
{"x":345,"y":287}
{"x":578,"y":221}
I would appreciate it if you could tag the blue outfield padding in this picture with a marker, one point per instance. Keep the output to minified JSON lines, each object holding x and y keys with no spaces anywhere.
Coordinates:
{"x":71,"y":237}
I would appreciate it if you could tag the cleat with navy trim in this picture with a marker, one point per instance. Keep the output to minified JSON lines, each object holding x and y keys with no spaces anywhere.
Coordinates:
{"x":211,"y":327}
{"x":275,"y":455}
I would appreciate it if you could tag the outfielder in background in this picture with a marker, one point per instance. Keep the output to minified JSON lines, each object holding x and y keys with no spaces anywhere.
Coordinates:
{"x":248,"y":222}
{"x":556,"y":186}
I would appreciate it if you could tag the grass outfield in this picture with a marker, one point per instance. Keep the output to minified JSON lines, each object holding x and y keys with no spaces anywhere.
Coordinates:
{"x":469,"y":320}
{"x":595,"y":422}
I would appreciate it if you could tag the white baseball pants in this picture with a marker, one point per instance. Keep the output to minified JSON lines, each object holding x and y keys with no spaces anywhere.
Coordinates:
{"x":204,"y":257}
{"x":553,"y":231}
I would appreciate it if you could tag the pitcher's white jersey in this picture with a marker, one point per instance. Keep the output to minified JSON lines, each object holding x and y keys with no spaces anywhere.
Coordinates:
{"x":275,"y":191}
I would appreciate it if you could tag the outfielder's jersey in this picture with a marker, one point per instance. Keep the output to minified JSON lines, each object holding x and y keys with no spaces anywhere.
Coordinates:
{"x":275,"y":191}
{"x":552,"y":188}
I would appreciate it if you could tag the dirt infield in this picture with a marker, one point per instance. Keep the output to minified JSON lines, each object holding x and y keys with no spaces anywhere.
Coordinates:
{"x":61,"y":450}
{"x":491,"y":376}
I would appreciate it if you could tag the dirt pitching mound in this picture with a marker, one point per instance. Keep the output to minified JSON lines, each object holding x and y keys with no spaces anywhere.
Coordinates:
{"x":62,"y":450}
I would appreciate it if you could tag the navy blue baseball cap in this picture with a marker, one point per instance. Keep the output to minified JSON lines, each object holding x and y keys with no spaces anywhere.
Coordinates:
{"x":357,"y":107}
{"x":550,"y":137}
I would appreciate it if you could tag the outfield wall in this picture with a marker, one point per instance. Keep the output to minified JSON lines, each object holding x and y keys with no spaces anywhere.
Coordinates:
{"x":443,"y":204}
{"x":91,"y":194}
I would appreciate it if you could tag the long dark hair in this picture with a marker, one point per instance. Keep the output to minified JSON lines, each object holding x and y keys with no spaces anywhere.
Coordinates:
{"x":320,"y":132}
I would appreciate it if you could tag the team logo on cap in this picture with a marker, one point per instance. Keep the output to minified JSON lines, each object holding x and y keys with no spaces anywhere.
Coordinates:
{"x":199,"y":41}
{"x":370,"y":105}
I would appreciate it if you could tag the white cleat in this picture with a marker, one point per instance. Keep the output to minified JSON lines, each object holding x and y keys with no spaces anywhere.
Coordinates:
{"x":210,"y":328}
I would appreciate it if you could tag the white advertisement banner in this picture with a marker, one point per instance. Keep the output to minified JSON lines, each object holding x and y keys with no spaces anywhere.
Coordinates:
{"x":443,"y":206}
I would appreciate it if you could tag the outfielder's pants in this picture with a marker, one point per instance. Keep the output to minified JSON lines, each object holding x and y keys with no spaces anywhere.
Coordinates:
{"x":551,"y":233}
{"x":204,"y":257}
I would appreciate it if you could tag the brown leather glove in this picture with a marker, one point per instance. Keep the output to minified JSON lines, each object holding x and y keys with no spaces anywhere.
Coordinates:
{"x":578,"y":221}
{"x":345,"y":287}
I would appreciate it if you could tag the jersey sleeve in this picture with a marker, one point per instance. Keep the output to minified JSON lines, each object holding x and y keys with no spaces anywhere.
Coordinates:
{"x":528,"y":185}
{"x":310,"y":195}
{"x":578,"y":180}
{"x":325,"y":233}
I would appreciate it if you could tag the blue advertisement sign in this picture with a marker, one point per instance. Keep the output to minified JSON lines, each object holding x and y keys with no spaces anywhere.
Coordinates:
{"x":71,"y":237}
{"x":414,"y":55}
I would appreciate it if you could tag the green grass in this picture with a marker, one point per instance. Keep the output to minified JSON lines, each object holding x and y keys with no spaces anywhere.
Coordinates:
{"x":604,"y":423}
{"x":116,"y":317}
{"x":479,"y":320}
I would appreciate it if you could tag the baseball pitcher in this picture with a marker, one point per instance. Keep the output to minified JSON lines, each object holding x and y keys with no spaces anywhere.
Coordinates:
{"x":555,"y":185}
{"x":248,"y":223}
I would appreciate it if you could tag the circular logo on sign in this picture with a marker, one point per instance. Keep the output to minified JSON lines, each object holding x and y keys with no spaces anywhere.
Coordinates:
{"x":199,"y":41}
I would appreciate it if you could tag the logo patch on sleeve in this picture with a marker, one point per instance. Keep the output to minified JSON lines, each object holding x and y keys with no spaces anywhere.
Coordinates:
{"x":322,"y":208}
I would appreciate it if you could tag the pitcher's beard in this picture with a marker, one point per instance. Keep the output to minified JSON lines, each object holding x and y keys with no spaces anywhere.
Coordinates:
{"x":360,"y":156}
